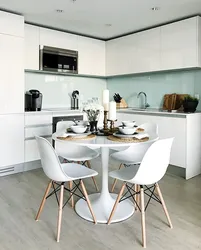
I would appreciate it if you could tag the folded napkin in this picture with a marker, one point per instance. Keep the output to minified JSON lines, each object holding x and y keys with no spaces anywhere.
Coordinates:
{"x":141,"y":136}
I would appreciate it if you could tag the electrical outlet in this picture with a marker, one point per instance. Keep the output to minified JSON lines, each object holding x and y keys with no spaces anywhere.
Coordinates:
{"x":197,"y":96}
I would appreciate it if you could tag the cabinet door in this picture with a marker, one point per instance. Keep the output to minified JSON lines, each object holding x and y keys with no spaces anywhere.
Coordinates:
{"x":58,"y":39}
{"x":12,"y":74}
{"x":145,"y":51}
{"x":11,"y":24}
{"x":31,"y":47}
{"x":118,"y":57}
{"x":179,"y":45}
{"x":91,"y":56}
{"x":12,"y":139}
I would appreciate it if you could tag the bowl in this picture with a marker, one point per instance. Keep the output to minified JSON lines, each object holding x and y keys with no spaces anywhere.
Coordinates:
{"x":127,"y":130}
{"x":129,"y":123}
{"x":78,"y":129}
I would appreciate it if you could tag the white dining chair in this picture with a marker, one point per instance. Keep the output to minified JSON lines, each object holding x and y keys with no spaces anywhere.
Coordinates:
{"x":152,"y":168}
{"x":75,"y":153}
{"x":59,"y":174}
{"x":134,"y":154}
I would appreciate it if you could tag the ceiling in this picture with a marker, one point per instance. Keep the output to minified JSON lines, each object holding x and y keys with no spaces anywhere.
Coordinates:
{"x":102,"y":18}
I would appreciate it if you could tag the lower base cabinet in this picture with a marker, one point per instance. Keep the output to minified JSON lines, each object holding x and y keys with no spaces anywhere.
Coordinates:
{"x":12,"y":146}
{"x":186,"y":131}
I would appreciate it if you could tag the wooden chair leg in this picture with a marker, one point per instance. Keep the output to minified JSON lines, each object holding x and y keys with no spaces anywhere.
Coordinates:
{"x":88,"y":201}
{"x":43,"y":200}
{"x":163,"y":205}
{"x":72,"y":198}
{"x":115,"y":180}
{"x":60,"y":211}
{"x":116,"y":203}
{"x":93,"y":178}
{"x":143,"y":217}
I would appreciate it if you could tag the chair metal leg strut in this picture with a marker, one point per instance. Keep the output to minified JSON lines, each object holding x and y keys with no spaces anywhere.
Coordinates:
{"x":132,"y":193}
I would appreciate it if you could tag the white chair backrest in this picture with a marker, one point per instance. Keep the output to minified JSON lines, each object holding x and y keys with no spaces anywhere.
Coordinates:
{"x":150,"y":127}
{"x":63,"y":125}
{"x":65,"y":149}
{"x":155,"y":162}
{"x":50,"y":162}
{"x":137,"y":151}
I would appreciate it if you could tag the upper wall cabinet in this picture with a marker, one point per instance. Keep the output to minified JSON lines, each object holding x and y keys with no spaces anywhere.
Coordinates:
{"x":11,"y":24}
{"x":172,"y":46}
{"x":31,"y":46}
{"x":53,"y":38}
{"x":91,"y":56}
{"x":134,"y":53}
{"x":11,"y":63}
{"x":179,"y":44}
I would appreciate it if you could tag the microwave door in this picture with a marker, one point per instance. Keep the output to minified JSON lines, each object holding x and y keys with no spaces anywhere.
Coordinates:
{"x":51,"y":62}
{"x":69,"y":64}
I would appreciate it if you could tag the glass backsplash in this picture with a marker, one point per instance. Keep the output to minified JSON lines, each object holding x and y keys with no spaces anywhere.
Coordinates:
{"x":156,"y":85}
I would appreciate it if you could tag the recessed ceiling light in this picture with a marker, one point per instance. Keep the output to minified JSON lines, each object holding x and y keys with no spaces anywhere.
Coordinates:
{"x":155,"y":8}
{"x":59,"y":11}
{"x":108,"y":24}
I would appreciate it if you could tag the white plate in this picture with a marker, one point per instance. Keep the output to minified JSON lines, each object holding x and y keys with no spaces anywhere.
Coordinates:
{"x":117,"y":134}
{"x":74,"y":134}
{"x":80,"y":135}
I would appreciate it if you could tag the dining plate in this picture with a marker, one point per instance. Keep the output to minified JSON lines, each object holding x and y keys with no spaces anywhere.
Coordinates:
{"x":120,"y":135}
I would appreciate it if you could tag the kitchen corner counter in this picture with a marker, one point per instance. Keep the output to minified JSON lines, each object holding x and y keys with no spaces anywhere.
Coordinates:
{"x":156,"y":112}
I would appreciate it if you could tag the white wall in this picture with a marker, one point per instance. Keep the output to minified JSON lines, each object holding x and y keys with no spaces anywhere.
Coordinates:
{"x":56,"y":89}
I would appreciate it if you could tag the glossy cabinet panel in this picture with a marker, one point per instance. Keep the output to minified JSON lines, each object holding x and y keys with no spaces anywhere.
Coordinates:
{"x":12,"y":139}
{"x":179,"y":44}
{"x":91,"y":56}
{"x":11,"y":24}
{"x":12,"y":74}
{"x":31,"y":47}
{"x":58,"y":39}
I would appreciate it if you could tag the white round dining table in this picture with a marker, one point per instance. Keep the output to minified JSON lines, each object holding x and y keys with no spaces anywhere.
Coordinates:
{"x":103,"y":202}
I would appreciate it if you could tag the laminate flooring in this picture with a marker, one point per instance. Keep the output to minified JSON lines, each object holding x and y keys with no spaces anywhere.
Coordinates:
{"x":20,"y":196}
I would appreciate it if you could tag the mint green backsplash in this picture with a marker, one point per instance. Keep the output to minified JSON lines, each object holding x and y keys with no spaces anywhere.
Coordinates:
{"x":156,"y":85}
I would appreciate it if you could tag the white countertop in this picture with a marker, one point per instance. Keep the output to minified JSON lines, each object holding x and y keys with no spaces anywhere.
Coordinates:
{"x":155,"y":111}
{"x":56,"y":111}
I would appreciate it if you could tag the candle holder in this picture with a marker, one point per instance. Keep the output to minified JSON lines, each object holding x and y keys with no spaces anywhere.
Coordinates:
{"x":112,"y":128}
{"x":105,"y":127}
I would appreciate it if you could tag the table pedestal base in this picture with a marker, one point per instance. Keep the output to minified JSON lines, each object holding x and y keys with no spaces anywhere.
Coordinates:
{"x":103,"y":207}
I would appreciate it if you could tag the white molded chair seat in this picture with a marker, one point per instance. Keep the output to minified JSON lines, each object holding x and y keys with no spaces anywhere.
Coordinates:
{"x":74,"y":153}
{"x":152,"y":168}
{"x":77,"y":171}
{"x":61,"y":173}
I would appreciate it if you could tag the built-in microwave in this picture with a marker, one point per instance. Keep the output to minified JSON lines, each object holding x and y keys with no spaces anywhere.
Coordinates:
{"x":58,"y":60}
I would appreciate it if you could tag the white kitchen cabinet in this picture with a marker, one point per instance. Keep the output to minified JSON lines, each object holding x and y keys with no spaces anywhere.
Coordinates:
{"x":118,"y":56}
{"x":54,"y":38}
{"x":12,"y":139}
{"x":179,"y":44}
{"x":12,"y":74}
{"x":139,"y":52}
{"x":35,"y":124}
{"x":91,"y":57}
{"x":145,"y":51}
{"x":31,"y":40}
{"x":186,"y":131}
{"x":11,"y":24}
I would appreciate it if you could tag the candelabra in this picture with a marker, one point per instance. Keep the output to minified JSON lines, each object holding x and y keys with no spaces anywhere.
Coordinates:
{"x":112,"y":128}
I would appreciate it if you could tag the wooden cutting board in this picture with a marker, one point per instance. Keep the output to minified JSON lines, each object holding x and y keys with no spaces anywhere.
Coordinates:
{"x":173,"y":101}
{"x":169,"y":101}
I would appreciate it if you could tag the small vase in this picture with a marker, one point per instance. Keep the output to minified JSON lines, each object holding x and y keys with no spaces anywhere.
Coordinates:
{"x":93,"y":126}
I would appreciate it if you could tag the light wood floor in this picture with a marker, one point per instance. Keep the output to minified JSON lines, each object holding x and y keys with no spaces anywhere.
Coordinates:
{"x":21,"y":194}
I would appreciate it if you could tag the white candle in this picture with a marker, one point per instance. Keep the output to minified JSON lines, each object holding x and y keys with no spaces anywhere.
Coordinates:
{"x":112,"y":111}
{"x":106,"y":99}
